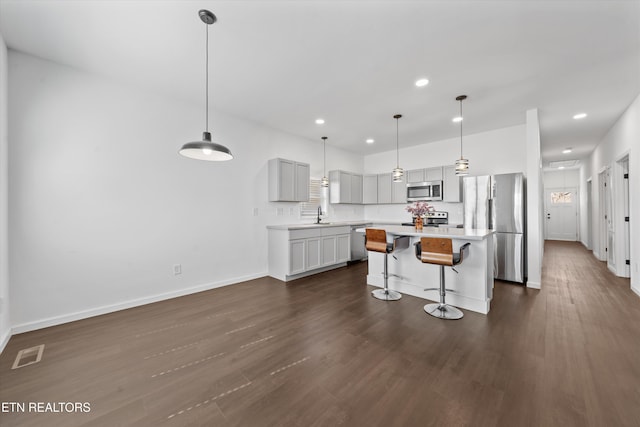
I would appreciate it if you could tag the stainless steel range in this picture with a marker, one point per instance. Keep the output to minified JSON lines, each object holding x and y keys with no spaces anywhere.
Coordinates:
{"x":434,"y":219}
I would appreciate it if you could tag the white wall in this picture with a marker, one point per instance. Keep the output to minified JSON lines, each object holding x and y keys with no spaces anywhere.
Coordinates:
{"x":622,"y":139}
{"x":5,"y":320}
{"x":494,"y":152}
{"x":562,"y":178}
{"x":586,"y":236}
{"x":101,"y":206}
{"x":535,"y":236}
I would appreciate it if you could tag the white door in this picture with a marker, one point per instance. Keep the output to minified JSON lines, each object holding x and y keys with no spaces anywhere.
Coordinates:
{"x":561,"y":214}
{"x":611,"y":236}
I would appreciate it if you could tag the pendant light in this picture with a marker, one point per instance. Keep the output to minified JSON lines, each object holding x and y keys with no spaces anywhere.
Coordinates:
{"x":205,"y":149}
{"x":398,"y":172}
{"x":325,"y":181}
{"x":462,"y":164}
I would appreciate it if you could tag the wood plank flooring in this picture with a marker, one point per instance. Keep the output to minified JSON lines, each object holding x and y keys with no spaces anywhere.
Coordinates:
{"x":320,"y":351}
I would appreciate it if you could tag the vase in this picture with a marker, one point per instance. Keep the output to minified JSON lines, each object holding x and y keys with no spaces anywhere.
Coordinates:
{"x":418,"y":223}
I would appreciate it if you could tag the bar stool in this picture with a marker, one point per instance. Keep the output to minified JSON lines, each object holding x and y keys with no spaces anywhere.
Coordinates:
{"x":436,"y":250}
{"x":376,"y":241}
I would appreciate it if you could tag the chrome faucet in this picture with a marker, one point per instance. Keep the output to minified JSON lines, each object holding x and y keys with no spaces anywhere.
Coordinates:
{"x":319,"y":213}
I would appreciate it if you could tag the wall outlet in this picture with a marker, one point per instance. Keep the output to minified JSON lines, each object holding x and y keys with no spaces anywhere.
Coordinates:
{"x":255,"y":211}
{"x":177,"y":269}
{"x":279,"y":211}
{"x":292,"y":211}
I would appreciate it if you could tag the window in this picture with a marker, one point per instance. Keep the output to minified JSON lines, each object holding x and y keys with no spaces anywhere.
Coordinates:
{"x":561,"y":197}
{"x":318,"y":196}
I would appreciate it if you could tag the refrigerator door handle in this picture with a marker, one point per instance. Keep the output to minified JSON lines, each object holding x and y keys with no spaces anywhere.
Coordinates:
{"x":490,"y":214}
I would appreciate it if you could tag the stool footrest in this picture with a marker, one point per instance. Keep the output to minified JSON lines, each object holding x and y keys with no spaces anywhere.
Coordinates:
{"x":386,"y":294}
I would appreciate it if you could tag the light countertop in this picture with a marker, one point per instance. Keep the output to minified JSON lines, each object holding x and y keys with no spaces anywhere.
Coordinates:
{"x":448,"y":232}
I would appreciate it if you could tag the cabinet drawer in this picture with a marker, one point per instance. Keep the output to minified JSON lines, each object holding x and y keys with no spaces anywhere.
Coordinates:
{"x":333,"y":231}
{"x":303,"y":234}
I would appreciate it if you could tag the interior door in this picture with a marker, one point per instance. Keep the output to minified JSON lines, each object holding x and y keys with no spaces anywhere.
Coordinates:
{"x":611,"y":236}
{"x":561,"y":214}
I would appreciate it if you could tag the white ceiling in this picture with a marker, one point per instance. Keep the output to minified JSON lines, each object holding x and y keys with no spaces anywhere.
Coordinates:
{"x":354,"y":63}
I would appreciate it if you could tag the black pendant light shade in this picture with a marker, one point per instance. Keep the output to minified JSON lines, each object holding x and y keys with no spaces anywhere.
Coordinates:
{"x":205,"y":149}
{"x":462,"y":164}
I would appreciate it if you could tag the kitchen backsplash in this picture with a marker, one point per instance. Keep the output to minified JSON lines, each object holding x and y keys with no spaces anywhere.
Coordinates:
{"x":398,"y":212}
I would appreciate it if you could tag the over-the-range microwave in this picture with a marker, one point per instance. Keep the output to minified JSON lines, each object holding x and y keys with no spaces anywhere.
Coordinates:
{"x":418,"y":191}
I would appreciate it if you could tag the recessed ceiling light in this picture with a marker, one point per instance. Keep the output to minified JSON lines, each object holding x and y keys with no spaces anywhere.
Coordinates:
{"x":370,"y":141}
{"x":566,"y":151}
{"x":319,"y":121}
{"x":560,"y":167}
{"x":580,"y":116}
{"x":422,"y":82}
{"x":456,"y":119}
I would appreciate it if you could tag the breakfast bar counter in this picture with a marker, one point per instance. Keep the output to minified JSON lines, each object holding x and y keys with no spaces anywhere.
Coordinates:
{"x":472,"y":285}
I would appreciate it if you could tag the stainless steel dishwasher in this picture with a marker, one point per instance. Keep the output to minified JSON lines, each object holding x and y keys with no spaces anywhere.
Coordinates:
{"x":358,"y":251}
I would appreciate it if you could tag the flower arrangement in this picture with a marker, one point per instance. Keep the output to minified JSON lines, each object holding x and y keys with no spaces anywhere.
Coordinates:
{"x":420,"y":209}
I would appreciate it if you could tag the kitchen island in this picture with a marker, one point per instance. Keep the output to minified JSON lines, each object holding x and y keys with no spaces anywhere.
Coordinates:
{"x":473,"y":284}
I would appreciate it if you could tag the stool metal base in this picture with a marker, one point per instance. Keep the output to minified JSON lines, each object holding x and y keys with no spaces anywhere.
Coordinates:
{"x":386,"y":294}
{"x":443,"y":311}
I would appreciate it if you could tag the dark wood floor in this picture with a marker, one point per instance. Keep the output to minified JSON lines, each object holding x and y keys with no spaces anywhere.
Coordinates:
{"x":321,"y":351}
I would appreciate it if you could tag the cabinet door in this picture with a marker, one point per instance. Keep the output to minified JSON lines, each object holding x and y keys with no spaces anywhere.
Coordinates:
{"x":415,"y":175}
{"x":314,"y":253}
{"x":328,"y":250}
{"x":433,"y":174}
{"x":345,"y":187}
{"x":452,"y":185}
{"x":302,"y":182}
{"x":384,"y":188}
{"x":356,"y":189}
{"x":370,"y":189}
{"x":343,"y":244}
{"x":399,"y":191}
{"x":285,"y":180}
{"x":297,"y":256}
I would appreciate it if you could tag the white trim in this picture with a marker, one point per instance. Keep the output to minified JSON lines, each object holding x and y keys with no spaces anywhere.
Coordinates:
{"x":636,"y":290}
{"x":97,"y":311}
{"x":5,"y":340}
{"x":533,"y":285}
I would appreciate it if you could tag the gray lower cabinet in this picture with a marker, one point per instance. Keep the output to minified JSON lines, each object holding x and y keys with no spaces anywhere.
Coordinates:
{"x":293,"y":253}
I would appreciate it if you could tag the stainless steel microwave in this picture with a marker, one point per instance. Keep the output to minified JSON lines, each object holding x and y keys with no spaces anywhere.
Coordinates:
{"x":418,"y":191}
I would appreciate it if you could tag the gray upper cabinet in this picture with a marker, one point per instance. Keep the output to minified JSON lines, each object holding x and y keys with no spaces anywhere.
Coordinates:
{"x":422,"y":175}
{"x":384,"y":188}
{"x":452,"y":185}
{"x":433,"y":174}
{"x":370,"y":189}
{"x":415,"y":175}
{"x":288,"y":181}
{"x":345,"y":187}
{"x":399,"y":190}
{"x":356,"y":189}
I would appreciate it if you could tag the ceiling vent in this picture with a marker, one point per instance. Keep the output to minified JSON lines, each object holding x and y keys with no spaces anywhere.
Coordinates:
{"x":564,"y":163}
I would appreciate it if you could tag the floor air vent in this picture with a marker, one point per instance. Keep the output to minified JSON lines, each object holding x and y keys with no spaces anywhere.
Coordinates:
{"x":28,"y":356}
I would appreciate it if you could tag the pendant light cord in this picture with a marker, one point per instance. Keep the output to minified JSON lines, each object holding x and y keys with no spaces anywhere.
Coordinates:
{"x":461,"y":120}
{"x":324,"y":162}
{"x":207,"y":79}
{"x":397,"y":145}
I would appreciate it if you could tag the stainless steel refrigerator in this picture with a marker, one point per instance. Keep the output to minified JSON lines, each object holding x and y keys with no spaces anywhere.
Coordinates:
{"x":497,"y":202}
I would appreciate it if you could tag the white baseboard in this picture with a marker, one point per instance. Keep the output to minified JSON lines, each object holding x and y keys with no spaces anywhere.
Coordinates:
{"x":533,"y":285}
{"x":636,"y":290}
{"x":4,"y":340}
{"x":97,"y":311}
